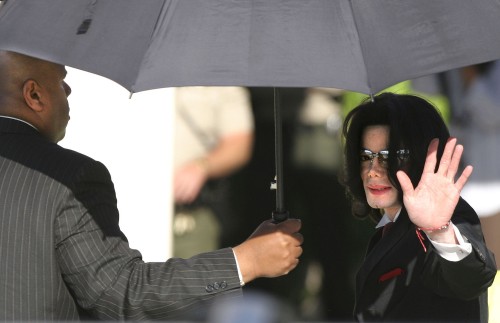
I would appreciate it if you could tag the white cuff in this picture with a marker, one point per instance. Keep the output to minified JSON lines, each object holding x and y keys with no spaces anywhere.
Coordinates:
{"x":453,"y":252}
{"x":242,"y":283}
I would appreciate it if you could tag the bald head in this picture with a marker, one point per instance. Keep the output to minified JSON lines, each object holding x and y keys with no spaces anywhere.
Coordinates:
{"x":34,"y":90}
{"x":15,"y":69}
{"x":9,"y":77}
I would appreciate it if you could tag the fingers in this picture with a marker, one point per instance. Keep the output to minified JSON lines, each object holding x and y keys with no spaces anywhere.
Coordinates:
{"x":188,"y":181}
{"x":457,"y":151}
{"x":450,"y":163}
{"x":431,"y":159}
{"x":271,"y":251}
{"x":444,"y":164}
{"x":186,"y":193}
{"x":460,"y":183}
{"x":291,"y":239}
{"x":450,"y":160}
{"x":292,"y":253}
{"x":455,"y":161}
{"x":405,"y":182}
{"x":299,"y":238}
{"x":290,"y":225}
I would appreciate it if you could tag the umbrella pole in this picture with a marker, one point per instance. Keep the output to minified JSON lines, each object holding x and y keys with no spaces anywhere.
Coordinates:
{"x":280,"y":214}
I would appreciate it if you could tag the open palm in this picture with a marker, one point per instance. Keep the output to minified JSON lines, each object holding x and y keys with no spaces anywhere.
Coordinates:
{"x":432,"y":202}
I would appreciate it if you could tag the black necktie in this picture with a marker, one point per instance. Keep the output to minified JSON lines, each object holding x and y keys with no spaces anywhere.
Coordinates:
{"x":387,"y":228}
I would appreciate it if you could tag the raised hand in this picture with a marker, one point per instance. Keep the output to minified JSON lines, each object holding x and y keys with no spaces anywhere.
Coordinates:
{"x":271,"y":251}
{"x":432,"y":202}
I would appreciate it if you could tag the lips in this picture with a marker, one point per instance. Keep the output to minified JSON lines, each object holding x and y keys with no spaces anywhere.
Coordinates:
{"x":377,"y":189}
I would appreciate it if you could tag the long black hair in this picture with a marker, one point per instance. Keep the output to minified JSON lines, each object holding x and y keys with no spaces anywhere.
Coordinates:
{"x":413,"y":122}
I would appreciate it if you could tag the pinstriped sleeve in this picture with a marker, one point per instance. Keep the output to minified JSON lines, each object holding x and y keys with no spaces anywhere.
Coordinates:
{"x":109,"y":280}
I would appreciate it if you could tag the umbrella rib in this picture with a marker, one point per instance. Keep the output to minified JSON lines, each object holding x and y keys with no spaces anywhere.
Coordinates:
{"x":361,"y":49}
{"x":161,"y":14}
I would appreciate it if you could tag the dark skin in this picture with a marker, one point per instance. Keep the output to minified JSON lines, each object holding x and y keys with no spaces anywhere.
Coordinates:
{"x":35,"y":91}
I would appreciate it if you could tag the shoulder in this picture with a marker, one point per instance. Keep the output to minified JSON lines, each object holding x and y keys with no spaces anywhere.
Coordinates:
{"x":467,"y":220}
{"x":38,"y":154}
{"x":69,"y":166}
{"x":464,"y":214}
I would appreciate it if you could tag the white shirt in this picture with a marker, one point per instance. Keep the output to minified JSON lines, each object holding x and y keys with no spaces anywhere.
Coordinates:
{"x":242,"y":283}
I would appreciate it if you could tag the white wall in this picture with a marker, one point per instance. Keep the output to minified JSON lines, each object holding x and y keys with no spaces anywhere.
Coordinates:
{"x":132,"y":137}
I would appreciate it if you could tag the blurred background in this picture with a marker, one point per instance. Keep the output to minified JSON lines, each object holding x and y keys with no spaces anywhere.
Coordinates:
{"x":228,"y":202}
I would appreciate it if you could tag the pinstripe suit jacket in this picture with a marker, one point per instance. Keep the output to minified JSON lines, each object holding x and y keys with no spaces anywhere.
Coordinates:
{"x":62,"y":254}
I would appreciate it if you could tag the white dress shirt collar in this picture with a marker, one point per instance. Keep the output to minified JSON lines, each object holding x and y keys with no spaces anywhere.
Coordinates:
{"x":29,"y":124}
{"x":385,"y":219}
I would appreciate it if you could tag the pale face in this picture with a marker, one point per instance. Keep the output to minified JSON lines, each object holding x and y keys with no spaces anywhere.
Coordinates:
{"x":380,"y":193}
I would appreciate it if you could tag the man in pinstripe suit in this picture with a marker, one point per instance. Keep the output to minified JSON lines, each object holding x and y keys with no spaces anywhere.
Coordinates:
{"x":62,"y":254}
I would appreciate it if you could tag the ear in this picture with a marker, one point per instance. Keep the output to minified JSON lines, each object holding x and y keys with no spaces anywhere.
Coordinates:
{"x":32,"y":94}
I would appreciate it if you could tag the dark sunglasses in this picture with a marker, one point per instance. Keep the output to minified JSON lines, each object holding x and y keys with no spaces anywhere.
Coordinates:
{"x":383,"y":155}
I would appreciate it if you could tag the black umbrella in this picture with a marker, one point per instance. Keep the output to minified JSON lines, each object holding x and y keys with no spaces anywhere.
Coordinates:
{"x":362,"y":45}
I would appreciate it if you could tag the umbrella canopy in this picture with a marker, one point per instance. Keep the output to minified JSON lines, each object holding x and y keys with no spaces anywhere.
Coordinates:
{"x":359,"y":45}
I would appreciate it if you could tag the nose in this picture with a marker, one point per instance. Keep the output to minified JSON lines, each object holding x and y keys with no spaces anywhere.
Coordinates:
{"x":375,"y":169}
{"x":67,"y":89}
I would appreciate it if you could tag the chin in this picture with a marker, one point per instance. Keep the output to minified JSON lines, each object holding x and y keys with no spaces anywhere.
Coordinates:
{"x":379,"y":204}
{"x":60,"y":137}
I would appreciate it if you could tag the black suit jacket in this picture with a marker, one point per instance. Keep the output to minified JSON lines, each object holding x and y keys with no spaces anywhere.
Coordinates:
{"x":63,"y":255}
{"x":398,"y":281}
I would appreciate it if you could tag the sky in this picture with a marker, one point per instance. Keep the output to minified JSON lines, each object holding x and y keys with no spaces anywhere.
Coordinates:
{"x":132,"y":137}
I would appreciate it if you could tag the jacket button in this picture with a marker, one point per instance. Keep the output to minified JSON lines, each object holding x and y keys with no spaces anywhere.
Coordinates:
{"x":209,"y":288}
{"x":223,"y":285}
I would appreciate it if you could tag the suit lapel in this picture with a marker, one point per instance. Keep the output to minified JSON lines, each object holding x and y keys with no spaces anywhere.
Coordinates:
{"x":379,"y":247}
